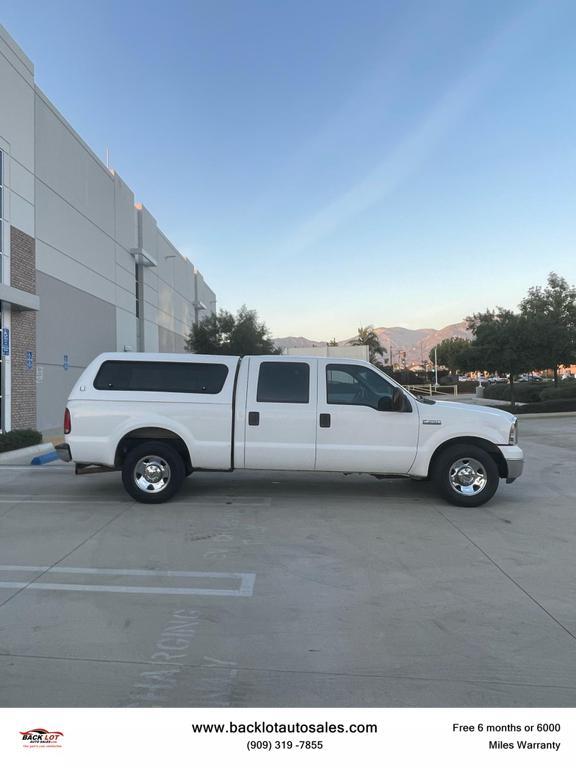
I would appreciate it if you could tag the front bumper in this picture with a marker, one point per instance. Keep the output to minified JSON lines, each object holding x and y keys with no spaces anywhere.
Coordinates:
{"x":63,"y":451}
{"x":515,"y":469}
{"x":514,"y":458}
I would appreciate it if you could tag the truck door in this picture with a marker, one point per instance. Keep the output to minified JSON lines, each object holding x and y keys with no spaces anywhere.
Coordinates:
{"x":280,"y":414}
{"x":356,"y":428}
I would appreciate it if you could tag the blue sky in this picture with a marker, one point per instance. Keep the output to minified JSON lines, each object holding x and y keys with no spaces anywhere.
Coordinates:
{"x":332,"y":164}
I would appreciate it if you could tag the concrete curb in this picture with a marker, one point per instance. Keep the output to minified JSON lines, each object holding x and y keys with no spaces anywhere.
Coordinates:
{"x":23,"y":456}
{"x":555,"y":415}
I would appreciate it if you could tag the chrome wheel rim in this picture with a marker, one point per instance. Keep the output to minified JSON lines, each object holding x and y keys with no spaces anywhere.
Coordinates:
{"x":152,"y":474}
{"x":468,"y":476}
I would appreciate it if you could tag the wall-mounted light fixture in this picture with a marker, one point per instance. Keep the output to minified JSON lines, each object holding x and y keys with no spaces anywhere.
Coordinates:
{"x":143,"y":257}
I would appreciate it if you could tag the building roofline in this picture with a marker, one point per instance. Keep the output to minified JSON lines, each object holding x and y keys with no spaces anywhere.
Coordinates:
{"x":50,"y":104}
{"x":16,"y":50}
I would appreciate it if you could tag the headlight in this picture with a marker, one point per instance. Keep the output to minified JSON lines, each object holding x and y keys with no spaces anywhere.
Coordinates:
{"x":513,"y":439}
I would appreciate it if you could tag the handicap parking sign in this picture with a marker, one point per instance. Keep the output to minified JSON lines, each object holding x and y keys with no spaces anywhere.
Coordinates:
{"x":5,"y":341}
{"x":29,"y":360}
{"x":66,"y":363}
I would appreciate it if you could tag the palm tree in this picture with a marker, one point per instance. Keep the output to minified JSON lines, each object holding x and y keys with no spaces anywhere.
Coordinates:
{"x":368,"y":337}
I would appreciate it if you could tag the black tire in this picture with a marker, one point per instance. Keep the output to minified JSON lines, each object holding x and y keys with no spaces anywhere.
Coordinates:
{"x":474,"y":467}
{"x":165,"y":462}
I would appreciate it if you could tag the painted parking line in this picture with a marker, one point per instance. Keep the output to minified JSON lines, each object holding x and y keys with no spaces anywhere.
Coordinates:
{"x":245,"y":588}
{"x":235,"y":501}
{"x":83,"y":500}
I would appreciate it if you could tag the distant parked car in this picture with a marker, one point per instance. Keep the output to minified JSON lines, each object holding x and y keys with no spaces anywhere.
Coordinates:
{"x":530,"y":378}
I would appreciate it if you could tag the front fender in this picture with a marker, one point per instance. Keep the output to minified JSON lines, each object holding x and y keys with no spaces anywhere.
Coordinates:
{"x":430,"y":442}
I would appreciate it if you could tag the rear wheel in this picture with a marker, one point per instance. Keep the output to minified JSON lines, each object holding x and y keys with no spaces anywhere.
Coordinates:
{"x":466,"y":475}
{"x":153,"y":472}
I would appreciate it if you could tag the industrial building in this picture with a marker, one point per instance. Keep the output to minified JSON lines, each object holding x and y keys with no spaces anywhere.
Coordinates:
{"x":350,"y":351}
{"x":84,"y":268}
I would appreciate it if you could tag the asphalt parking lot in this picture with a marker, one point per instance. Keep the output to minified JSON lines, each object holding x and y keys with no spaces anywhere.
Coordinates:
{"x":285,"y":589}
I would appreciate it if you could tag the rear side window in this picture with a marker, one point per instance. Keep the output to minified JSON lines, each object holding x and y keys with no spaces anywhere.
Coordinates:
{"x":284,"y":383}
{"x":152,"y":376}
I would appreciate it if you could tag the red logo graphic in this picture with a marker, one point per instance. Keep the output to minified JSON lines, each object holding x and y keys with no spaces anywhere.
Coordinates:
{"x":40,"y":737}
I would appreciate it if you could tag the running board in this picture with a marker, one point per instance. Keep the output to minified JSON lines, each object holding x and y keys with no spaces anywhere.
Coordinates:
{"x":92,"y":469}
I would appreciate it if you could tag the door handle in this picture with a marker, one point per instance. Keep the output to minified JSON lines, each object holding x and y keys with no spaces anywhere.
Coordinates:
{"x":324,"y":419}
{"x":253,"y":418}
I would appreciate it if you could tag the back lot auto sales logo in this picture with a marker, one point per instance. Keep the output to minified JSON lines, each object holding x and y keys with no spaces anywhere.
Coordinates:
{"x":40,"y":737}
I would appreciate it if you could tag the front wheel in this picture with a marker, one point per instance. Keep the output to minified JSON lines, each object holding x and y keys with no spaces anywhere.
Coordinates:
{"x":465,"y":475}
{"x":153,"y":472}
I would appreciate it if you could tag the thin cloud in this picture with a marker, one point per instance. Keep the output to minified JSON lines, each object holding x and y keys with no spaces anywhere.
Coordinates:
{"x":404,"y":159}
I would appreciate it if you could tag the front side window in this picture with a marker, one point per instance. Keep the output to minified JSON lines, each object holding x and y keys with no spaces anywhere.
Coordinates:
{"x":284,"y":383}
{"x":152,"y":376}
{"x":357,"y":385}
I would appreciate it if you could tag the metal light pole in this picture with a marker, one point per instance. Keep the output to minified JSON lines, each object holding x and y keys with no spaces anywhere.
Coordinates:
{"x":435,"y":367}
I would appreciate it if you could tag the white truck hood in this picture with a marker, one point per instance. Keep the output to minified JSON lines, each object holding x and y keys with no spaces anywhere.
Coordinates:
{"x":482,"y":410}
{"x":481,"y":420}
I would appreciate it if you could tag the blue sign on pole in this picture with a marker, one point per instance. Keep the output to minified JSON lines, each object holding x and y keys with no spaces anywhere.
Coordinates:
{"x":66,"y":363}
{"x":5,"y":341}
{"x":29,"y":360}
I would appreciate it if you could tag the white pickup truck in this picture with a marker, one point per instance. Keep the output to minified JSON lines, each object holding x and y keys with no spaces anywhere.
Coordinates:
{"x":160,"y":417}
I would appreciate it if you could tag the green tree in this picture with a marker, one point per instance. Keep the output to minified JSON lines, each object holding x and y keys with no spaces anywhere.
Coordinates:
{"x":332,"y":342}
{"x":502,"y":342}
{"x":450,"y":352}
{"x":468,"y":359}
{"x":211,"y":335}
{"x":552,"y":313}
{"x":227,"y":334}
{"x":368,"y":337}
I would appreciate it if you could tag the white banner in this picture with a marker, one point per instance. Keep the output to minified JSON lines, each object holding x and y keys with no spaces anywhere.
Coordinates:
{"x":156,"y":738}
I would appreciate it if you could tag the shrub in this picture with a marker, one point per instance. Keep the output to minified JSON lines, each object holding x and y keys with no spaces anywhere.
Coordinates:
{"x":496,"y":391}
{"x":524,"y":391}
{"x":467,"y":387}
{"x":563,"y":392}
{"x":19,"y":438}
{"x":546,"y":406}
{"x":405,"y":376}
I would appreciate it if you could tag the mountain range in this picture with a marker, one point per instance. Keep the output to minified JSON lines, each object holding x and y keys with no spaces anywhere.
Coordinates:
{"x":416,"y":344}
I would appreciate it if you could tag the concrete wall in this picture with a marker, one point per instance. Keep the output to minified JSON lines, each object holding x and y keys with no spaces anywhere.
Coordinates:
{"x":17,"y":147}
{"x":17,"y":133}
{"x":360,"y":352}
{"x":85,"y":227}
{"x":168,"y":287}
{"x":73,"y":327}
{"x":206,"y":296}
{"x":170,"y":342}
{"x":89,"y":234}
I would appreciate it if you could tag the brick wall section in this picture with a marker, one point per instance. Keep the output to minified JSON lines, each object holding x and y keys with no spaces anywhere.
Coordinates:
{"x":23,"y":276}
{"x":22,"y":261}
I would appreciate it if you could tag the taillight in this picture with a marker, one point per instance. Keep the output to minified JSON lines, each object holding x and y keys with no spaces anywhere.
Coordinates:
{"x":67,"y":422}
